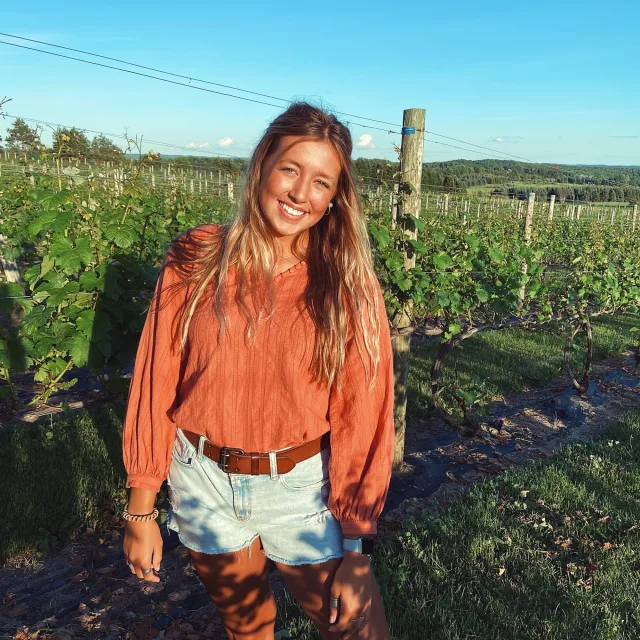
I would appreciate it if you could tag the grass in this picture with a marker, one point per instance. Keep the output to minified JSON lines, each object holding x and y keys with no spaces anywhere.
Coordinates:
{"x":511,"y":360}
{"x":550,"y":551}
{"x":53,"y":485}
{"x":55,"y":476}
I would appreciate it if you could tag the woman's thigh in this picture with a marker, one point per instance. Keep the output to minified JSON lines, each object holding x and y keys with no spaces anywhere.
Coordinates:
{"x":238,"y":583}
{"x":310,"y":585}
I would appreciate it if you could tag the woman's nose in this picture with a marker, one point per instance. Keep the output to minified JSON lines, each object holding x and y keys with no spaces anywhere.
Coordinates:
{"x":299,"y":191}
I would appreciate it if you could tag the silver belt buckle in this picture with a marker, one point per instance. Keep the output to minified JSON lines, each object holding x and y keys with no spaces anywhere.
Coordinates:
{"x":225,"y":453}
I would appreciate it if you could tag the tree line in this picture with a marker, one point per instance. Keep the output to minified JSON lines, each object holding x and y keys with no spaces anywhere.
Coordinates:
{"x":510,"y":178}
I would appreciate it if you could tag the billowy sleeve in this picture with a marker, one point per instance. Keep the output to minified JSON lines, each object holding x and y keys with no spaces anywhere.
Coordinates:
{"x":149,"y":431}
{"x":362,"y":437}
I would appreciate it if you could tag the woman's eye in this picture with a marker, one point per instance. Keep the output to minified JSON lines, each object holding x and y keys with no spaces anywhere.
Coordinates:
{"x":324,"y":184}
{"x":288,"y":169}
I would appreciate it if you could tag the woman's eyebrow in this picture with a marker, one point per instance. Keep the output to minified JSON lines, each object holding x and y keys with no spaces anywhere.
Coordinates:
{"x":297,"y":164}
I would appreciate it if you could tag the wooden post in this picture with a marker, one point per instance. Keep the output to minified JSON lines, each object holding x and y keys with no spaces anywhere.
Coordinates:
{"x":528,"y":225}
{"x":579,"y":212}
{"x":634,"y":218}
{"x":552,"y":204}
{"x":394,"y":207}
{"x":412,"y":151}
{"x":230,"y":190}
{"x":10,"y":268}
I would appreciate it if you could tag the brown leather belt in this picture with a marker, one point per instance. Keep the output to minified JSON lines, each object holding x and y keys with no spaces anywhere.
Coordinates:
{"x":255,"y":462}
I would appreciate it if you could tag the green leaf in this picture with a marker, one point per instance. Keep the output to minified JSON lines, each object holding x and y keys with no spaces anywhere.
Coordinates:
{"x":79,"y":347}
{"x":418,"y":245}
{"x":443,"y":299}
{"x":32,"y":275}
{"x":381,"y":234}
{"x":41,"y":222}
{"x":94,"y":324}
{"x":50,"y":199}
{"x":472,"y":241}
{"x":495,"y":254}
{"x":123,"y":236}
{"x":455,"y":329}
{"x":62,"y":222}
{"x":419,"y":224}
{"x":64,"y":255}
{"x":83,"y":250}
{"x":55,"y":279}
{"x":442,"y":260}
{"x":89,"y":281}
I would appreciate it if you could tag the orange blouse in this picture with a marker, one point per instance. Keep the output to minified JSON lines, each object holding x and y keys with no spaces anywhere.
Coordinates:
{"x":260,"y":397}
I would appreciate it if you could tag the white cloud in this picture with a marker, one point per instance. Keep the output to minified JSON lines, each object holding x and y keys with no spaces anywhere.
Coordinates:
{"x":226,"y":142}
{"x":506,"y":139}
{"x":198,"y":145}
{"x":366,"y":141}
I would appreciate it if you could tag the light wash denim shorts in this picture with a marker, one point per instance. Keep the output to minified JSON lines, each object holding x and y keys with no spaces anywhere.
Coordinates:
{"x":217,"y":512}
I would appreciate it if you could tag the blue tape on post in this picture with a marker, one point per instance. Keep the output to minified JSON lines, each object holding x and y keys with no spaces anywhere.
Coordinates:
{"x":408,"y":130}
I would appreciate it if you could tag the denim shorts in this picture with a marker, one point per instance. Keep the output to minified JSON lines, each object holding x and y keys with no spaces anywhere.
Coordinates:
{"x":213,"y":511}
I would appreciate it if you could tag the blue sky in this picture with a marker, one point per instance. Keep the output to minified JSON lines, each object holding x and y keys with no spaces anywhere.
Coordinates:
{"x":548,"y":81}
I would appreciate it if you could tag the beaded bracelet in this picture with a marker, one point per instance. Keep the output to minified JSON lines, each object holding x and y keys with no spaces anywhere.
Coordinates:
{"x":140,"y":518}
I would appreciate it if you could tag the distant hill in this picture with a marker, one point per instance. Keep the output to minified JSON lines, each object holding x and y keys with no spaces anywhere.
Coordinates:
{"x":595,"y":183}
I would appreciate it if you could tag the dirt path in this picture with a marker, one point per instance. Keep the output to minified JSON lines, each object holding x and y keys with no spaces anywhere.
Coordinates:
{"x":440,"y":466}
{"x":86,"y":590}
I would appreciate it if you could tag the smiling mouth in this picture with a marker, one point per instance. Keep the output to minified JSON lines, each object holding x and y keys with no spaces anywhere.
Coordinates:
{"x":290,"y":209}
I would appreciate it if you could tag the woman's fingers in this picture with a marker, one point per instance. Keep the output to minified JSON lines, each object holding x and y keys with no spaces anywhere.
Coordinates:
{"x":356,"y":629}
{"x":157,"y":557}
{"x":144,"y":570}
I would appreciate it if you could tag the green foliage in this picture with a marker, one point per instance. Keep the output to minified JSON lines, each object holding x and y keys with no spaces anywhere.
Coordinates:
{"x":89,"y":259}
{"x":57,"y":472}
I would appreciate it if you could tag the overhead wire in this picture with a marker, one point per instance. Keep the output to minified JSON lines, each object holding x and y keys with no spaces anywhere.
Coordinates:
{"x":233,"y":88}
{"x":181,"y":84}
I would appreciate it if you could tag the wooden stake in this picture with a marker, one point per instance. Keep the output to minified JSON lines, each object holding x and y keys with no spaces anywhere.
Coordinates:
{"x":552,"y":204}
{"x":412,"y":148}
{"x":412,"y":151}
{"x":528,"y":225}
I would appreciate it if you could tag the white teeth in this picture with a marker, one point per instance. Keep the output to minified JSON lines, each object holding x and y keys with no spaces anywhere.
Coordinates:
{"x":288,"y":209}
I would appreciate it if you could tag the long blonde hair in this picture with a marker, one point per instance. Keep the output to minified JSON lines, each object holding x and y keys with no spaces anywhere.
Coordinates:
{"x":341,"y":280}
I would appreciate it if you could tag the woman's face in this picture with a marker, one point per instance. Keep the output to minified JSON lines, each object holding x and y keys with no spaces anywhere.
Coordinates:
{"x":299,"y":180}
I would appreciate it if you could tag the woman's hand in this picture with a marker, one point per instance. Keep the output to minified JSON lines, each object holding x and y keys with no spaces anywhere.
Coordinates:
{"x":143,"y":549}
{"x":352,"y":586}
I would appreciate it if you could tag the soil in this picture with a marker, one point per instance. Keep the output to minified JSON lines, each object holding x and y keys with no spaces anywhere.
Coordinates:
{"x":87,"y":591}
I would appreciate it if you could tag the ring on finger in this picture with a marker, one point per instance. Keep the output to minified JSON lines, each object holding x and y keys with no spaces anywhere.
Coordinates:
{"x":146,"y":572}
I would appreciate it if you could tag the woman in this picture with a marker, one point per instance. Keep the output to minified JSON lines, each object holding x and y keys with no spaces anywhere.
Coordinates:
{"x":263,"y":392}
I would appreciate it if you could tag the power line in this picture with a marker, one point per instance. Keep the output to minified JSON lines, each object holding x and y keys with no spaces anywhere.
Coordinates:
{"x":178,"y":75}
{"x":473,"y":145}
{"x":190,"y":86}
{"x":453,"y":146}
{"x":180,"y":84}
{"x":138,"y":73}
{"x":263,"y":95}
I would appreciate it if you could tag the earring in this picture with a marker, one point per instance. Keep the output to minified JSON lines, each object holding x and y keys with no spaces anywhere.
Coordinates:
{"x":328,"y":211}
